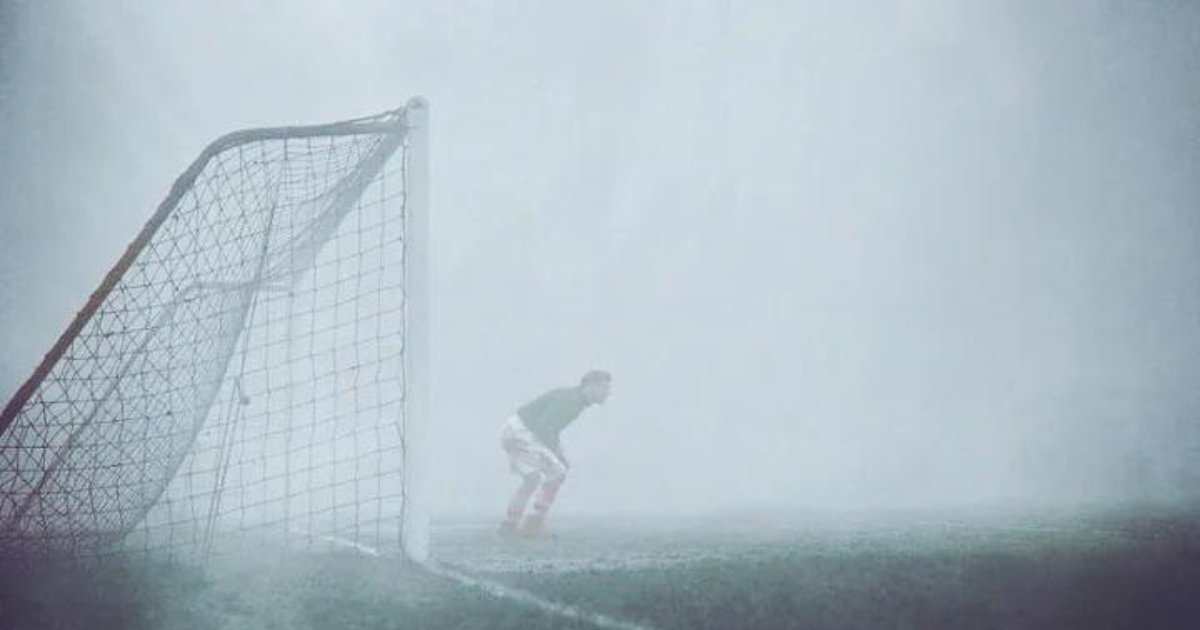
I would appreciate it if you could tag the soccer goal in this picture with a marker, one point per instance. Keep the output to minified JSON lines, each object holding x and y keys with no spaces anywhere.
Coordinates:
{"x":254,"y":364}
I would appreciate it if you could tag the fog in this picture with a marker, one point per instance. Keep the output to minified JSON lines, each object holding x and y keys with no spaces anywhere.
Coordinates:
{"x":837,"y":255}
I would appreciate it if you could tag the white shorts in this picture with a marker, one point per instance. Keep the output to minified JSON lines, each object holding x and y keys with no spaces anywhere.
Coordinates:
{"x":527,"y":455}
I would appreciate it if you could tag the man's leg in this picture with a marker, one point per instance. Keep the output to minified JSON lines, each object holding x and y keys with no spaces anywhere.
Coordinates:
{"x":555,"y":474}
{"x":524,"y":460}
{"x":520,"y":498}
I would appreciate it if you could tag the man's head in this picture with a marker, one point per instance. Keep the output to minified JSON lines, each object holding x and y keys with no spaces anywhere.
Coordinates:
{"x":595,"y":386}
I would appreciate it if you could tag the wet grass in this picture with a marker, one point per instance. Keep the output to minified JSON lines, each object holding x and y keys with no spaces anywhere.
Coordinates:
{"x":1106,"y":572}
{"x":319,"y":592}
{"x":945,"y":587}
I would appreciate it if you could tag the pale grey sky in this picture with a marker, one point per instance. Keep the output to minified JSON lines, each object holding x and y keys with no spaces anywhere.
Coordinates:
{"x":866,"y":253}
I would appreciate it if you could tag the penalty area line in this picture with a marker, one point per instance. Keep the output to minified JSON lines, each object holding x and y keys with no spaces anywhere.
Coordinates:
{"x":496,"y":589}
{"x":525,"y":597}
{"x":341,"y":542}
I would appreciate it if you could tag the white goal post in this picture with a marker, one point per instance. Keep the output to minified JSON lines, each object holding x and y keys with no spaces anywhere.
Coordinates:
{"x":256,"y":363}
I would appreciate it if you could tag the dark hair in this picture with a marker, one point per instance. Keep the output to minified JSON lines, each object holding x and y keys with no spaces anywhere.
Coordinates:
{"x":595,"y":376}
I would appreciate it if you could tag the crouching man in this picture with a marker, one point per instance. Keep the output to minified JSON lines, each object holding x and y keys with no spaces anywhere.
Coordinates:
{"x":530,"y":438}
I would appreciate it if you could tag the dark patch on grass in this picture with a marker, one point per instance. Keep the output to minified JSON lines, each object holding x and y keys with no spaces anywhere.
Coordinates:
{"x":1107,"y":573}
{"x":1142,"y":583}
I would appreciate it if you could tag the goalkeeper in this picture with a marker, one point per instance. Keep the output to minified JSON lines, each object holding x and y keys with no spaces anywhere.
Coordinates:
{"x":530,"y":438}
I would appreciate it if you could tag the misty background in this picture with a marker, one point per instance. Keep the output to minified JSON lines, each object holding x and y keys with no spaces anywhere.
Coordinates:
{"x":836,"y":255}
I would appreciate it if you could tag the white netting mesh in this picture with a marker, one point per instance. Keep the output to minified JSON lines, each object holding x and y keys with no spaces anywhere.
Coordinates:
{"x":240,"y":369}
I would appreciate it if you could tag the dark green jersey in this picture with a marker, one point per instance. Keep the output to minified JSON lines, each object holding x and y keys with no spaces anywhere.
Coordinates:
{"x":551,"y":412}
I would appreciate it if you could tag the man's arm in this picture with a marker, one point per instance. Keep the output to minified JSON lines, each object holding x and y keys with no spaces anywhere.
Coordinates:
{"x":562,"y":457}
{"x":555,"y":447}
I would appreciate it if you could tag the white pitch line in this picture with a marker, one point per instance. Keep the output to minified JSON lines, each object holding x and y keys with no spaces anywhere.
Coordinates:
{"x":499,"y":590}
{"x":345,"y":542}
{"x":525,"y":597}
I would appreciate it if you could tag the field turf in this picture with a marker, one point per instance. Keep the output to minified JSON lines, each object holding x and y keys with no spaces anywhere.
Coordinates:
{"x":1098,"y":570}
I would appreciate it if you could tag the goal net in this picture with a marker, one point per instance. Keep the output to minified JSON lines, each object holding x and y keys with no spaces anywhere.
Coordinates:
{"x":252,"y":365}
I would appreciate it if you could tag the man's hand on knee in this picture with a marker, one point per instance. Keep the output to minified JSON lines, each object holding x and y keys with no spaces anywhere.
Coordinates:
{"x":532,"y":479}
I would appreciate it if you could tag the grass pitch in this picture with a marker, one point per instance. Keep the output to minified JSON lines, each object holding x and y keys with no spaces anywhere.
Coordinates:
{"x":1101,"y":570}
